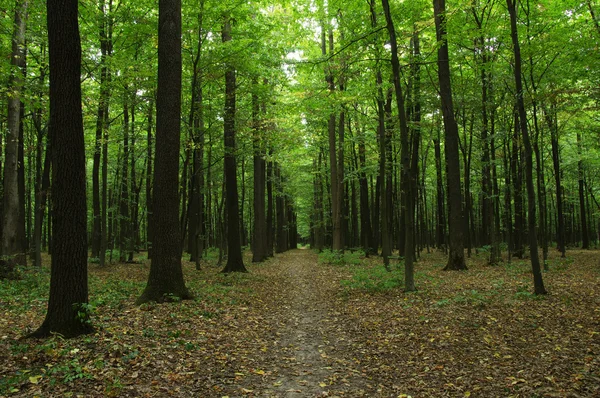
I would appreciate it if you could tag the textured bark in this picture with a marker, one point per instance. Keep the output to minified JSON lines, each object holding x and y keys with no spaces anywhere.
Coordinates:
{"x":585,"y":240}
{"x":366,"y":232}
{"x":456,"y":257}
{"x":196,"y":202}
{"x":440,"y":230}
{"x":270,"y":209}
{"x":533,"y":246}
{"x":281,"y":240}
{"x":149,"y":212}
{"x":259,"y":235}
{"x":165,"y":280}
{"x":560,"y":228}
{"x":235,"y":262}
{"x":409,"y":284}
{"x":67,"y":314}
{"x":101,"y":121}
{"x":13,"y":251}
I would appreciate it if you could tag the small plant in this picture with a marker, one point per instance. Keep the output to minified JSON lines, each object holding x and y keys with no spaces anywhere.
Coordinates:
{"x":84,"y":312}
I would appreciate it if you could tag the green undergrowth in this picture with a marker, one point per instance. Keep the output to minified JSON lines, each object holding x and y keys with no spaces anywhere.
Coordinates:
{"x":373,"y":279}
{"x":348,"y":257}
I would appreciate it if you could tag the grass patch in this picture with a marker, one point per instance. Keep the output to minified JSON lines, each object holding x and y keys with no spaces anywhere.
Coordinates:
{"x":373,"y":280}
{"x":334,"y":257}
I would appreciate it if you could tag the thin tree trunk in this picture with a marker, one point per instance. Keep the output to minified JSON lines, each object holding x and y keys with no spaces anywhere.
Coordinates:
{"x":12,"y":248}
{"x":533,"y":246}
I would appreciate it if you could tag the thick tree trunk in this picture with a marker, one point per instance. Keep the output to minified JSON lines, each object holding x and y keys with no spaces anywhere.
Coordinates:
{"x":456,"y":258}
{"x":165,"y":280}
{"x":235,"y":262}
{"x":67,"y":313}
{"x":533,"y":246}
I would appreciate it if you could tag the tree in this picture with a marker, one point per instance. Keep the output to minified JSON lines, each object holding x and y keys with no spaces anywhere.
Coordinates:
{"x":456,"y":257}
{"x":67,"y":312}
{"x":533,"y":244}
{"x":13,"y":251}
{"x":407,"y":211}
{"x":235,"y":261}
{"x":166,"y":275}
{"x":259,"y":241}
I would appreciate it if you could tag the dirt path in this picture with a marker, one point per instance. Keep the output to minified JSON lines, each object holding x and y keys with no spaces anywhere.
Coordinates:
{"x":312,"y":356}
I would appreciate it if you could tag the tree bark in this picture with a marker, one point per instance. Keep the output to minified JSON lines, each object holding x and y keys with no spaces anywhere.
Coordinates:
{"x":235,"y":262}
{"x":259,"y":240}
{"x":456,"y":257}
{"x":67,"y":313}
{"x":165,"y":280}
{"x":13,"y":251}
{"x":533,"y":246}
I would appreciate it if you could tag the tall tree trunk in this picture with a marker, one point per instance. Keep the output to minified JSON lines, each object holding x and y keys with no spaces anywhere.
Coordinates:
{"x":409,"y":284}
{"x":13,"y":251}
{"x":67,"y":313}
{"x":101,"y":118}
{"x":124,"y":196}
{"x":196,"y":202}
{"x":366,"y":232}
{"x":166,"y":275}
{"x":149,"y":174}
{"x":42,"y":176}
{"x":489,"y":222}
{"x":553,"y":127}
{"x":533,"y":246}
{"x":585,"y":240}
{"x":456,"y":257}
{"x":235,"y":262}
{"x":259,"y":241}
{"x":270,"y":208}
{"x":440,"y":230}
{"x":336,"y":186}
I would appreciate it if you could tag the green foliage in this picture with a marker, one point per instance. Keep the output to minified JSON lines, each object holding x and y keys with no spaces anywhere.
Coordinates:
{"x":332,"y":257}
{"x":373,"y":280}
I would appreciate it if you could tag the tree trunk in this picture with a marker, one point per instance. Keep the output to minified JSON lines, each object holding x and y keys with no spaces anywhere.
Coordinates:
{"x":259,"y":241}
{"x":165,"y":280}
{"x":456,"y":258}
{"x":585,"y":240}
{"x":270,"y":208}
{"x":149,"y":212}
{"x":68,"y":313}
{"x":440,"y":230}
{"x":13,"y":251}
{"x":409,"y":284}
{"x":235,"y":262}
{"x":560,"y":235}
{"x":533,"y":246}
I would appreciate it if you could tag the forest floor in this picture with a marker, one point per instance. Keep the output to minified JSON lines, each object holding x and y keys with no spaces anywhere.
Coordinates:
{"x":295,"y":326}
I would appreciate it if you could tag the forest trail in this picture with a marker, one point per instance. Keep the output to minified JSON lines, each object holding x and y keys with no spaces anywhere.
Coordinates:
{"x":313,"y":356}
